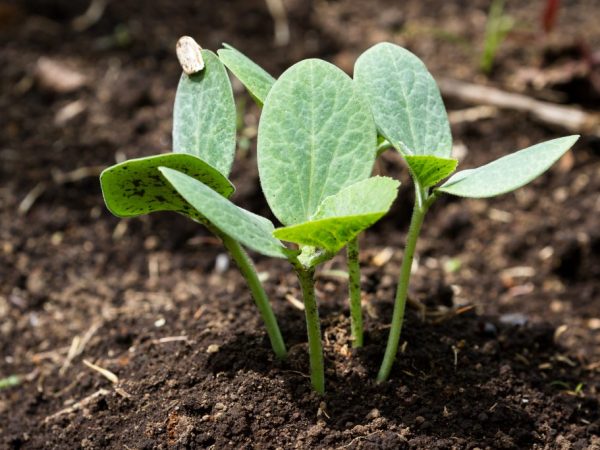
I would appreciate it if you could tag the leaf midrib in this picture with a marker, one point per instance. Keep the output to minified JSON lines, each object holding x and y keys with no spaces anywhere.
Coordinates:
{"x":409,"y":115}
{"x":312,"y":144}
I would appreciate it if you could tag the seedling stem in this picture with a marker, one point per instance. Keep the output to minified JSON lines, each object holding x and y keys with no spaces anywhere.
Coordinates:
{"x":356,"y":321}
{"x":313,"y":327}
{"x":258,"y":293}
{"x":419,"y":211}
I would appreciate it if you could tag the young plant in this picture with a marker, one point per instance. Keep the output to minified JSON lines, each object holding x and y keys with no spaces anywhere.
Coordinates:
{"x":204,"y":132}
{"x":258,"y":82}
{"x":410,"y":115}
{"x":316,"y":149}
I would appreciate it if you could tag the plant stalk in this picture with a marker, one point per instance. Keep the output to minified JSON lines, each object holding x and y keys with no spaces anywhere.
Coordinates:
{"x":414,"y":230}
{"x":356,"y":320}
{"x":313,"y":328}
{"x":258,"y":293}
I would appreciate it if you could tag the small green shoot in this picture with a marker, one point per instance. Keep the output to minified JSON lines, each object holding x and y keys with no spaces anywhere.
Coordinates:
{"x":497,"y":28}
{"x":410,"y":114}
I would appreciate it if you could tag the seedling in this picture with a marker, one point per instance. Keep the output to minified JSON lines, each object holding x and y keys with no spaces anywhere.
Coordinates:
{"x":204,"y":131}
{"x":410,"y":115}
{"x":258,"y":82}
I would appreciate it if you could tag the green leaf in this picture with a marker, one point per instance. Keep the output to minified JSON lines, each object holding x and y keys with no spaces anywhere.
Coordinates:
{"x":406,"y":102}
{"x":316,"y":136}
{"x":251,"y":230}
{"x":204,"y":116}
{"x":342,"y":216}
{"x":253,"y":77}
{"x":429,"y":170}
{"x":136,"y":187}
{"x":509,"y":172}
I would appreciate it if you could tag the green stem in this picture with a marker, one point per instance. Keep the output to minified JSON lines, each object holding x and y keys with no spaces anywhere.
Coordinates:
{"x":313,"y":328}
{"x":391,"y":349}
{"x":258,"y":293}
{"x":356,"y":320}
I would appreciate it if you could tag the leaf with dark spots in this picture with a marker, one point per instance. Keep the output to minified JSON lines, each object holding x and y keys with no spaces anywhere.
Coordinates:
{"x":136,"y":187}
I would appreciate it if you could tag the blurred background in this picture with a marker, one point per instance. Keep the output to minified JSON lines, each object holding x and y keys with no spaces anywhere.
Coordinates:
{"x":84,"y":84}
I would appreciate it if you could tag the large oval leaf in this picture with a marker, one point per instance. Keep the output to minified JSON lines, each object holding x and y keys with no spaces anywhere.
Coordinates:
{"x":316,"y":136}
{"x":251,"y":230}
{"x":342,"y":216}
{"x":136,"y":187}
{"x":509,"y":172}
{"x":406,"y":102}
{"x":253,"y":77}
{"x":204,"y":116}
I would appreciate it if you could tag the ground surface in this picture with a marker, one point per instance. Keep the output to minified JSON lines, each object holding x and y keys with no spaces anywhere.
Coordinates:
{"x":517,"y":367}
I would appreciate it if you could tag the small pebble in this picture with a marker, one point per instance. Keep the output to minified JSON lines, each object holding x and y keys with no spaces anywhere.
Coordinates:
{"x":212,"y":348}
{"x":221,"y":263}
{"x":373,"y":414}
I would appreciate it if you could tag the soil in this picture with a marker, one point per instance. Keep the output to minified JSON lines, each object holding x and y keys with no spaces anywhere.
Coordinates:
{"x":507,"y":356}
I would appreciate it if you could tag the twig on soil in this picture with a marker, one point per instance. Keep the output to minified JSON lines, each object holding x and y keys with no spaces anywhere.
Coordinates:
{"x":295,"y":302}
{"x":31,"y":198}
{"x":359,"y":438}
{"x":91,"y":16}
{"x":77,"y":346}
{"x":445,"y":315}
{"x":76,"y":175}
{"x":472,"y":114}
{"x":53,"y":355}
{"x":593,"y":366}
{"x":168,"y":339}
{"x":79,"y":405}
{"x":282,"y":27}
{"x":102,"y":371}
{"x":455,"y":353}
{"x":59,"y":179}
{"x":573,"y":119}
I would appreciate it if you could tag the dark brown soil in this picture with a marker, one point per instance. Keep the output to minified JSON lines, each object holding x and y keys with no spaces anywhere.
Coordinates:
{"x":508,"y":355}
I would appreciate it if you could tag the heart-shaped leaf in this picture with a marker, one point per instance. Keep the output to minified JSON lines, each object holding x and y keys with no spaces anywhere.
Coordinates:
{"x":204,"y":115}
{"x":342,"y":216}
{"x":429,"y":170}
{"x":509,"y":172}
{"x":253,"y":77}
{"x":136,"y":187}
{"x":316,"y":136}
{"x":251,"y":230}
{"x":406,"y":102}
